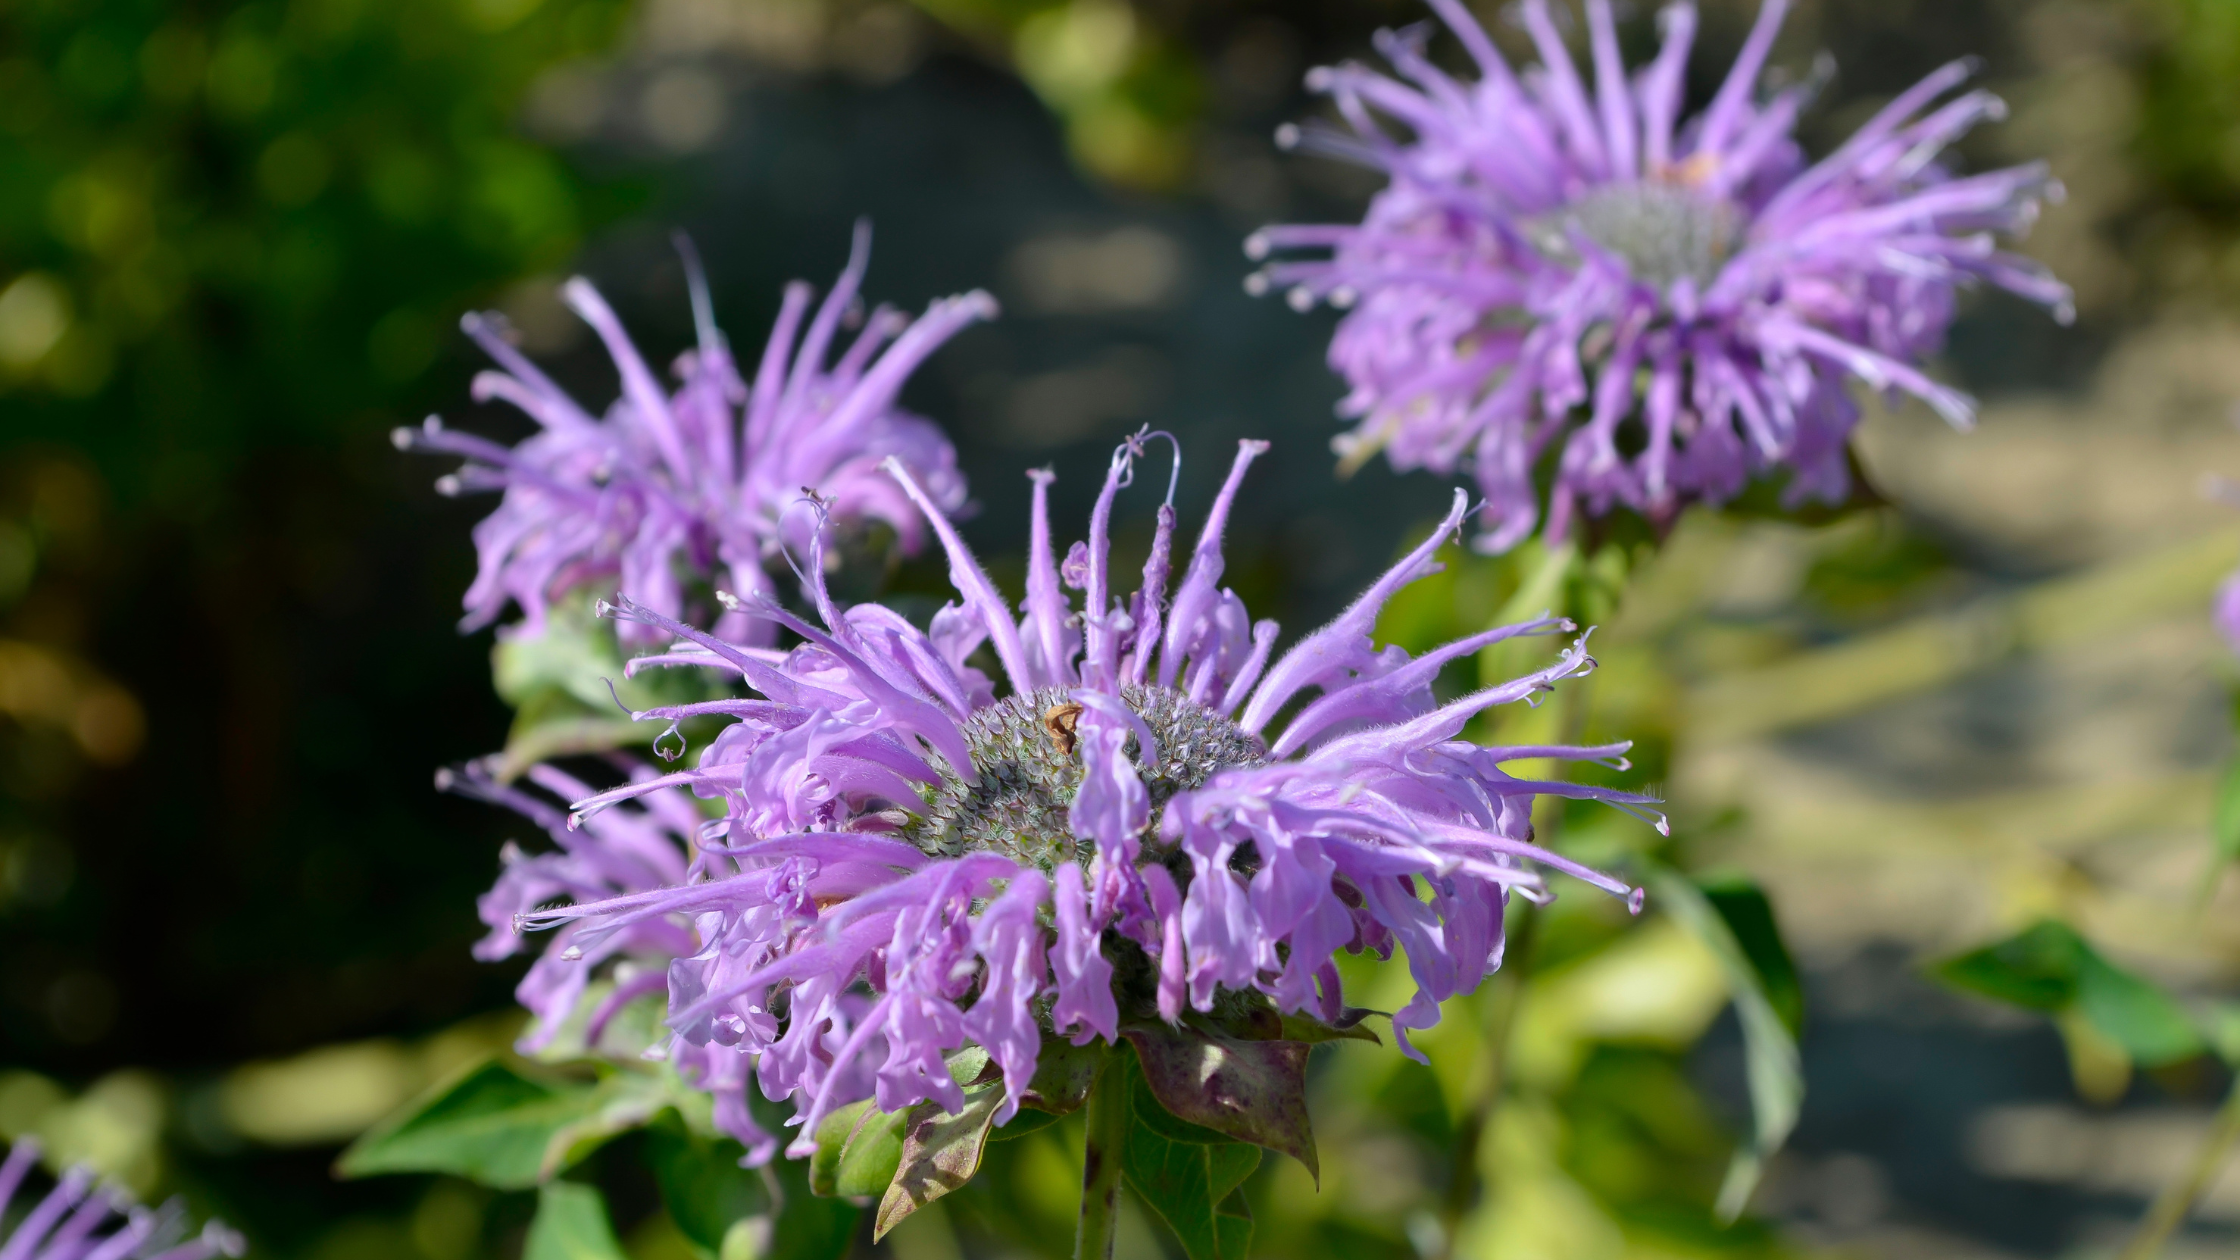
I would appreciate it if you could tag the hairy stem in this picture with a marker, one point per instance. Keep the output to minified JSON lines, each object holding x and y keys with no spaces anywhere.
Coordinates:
{"x":2176,"y":1201}
{"x":1100,"y":1168}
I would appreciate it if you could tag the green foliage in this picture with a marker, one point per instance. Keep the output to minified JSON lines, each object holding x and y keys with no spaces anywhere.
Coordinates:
{"x":2189,"y":111}
{"x":260,"y":214}
{"x":1733,"y":919}
{"x":490,"y":1124}
{"x":1190,"y":1176}
{"x":2049,"y":967}
{"x":570,"y":694}
{"x":859,"y":1148}
{"x":1748,"y":914}
{"x":704,"y":1188}
{"x":1246,"y":1091}
{"x":571,"y":1224}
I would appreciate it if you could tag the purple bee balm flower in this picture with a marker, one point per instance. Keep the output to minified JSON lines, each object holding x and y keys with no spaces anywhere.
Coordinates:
{"x":644,"y":847}
{"x":1157,"y":812}
{"x":1580,"y":286}
{"x":672,"y":489}
{"x":81,"y":1219}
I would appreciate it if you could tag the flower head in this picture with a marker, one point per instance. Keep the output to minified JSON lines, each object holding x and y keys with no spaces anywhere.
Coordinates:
{"x":671,"y":489}
{"x":1582,"y":290}
{"x":81,"y":1219}
{"x":1148,"y":812}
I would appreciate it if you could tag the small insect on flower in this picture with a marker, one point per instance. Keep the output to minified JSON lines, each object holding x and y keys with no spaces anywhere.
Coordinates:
{"x":672,"y":490}
{"x":81,"y":1219}
{"x":1580,"y":290}
{"x":1151,"y":816}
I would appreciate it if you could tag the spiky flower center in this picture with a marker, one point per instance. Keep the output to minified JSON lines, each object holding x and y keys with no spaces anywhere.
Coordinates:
{"x":1662,"y":232}
{"x":1026,"y":764}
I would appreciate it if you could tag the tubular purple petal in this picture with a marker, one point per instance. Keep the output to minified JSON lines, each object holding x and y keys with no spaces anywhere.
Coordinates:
{"x":1078,"y":852}
{"x":698,"y":481}
{"x":1526,"y":221}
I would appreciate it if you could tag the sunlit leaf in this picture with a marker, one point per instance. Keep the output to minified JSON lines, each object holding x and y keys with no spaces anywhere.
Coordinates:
{"x":1193,"y":1184}
{"x":489,"y":1124}
{"x":2147,"y":1022}
{"x":1772,"y":1063}
{"x":858,"y":1149}
{"x":2106,"y":1013}
{"x":940,"y":1152}
{"x":2036,"y":969}
{"x":1251,"y":1091}
{"x":571,"y":1224}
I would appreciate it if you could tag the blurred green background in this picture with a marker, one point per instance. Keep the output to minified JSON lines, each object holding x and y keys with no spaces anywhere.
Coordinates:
{"x":235,"y":240}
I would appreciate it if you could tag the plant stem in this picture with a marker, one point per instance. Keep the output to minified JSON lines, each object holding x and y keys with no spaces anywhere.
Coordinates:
{"x":1507,"y":994}
{"x":2176,"y":1201}
{"x":1100,"y":1166}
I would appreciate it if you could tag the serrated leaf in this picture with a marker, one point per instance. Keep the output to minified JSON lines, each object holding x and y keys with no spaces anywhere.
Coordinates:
{"x":1153,"y":1115}
{"x":2037,"y":969}
{"x":571,"y":1224}
{"x":858,"y":1149}
{"x":489,"y":1124}
{"x":1251,"y":1091}
{"x":1772,"y":1064}
{"x":940,"y":1152}
{"x":706,"y":1191}
{"x":1192,"y":1185}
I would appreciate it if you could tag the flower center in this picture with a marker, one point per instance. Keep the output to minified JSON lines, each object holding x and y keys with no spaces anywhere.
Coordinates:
{"x":1661,"y":232}
{"x":1026,"y":763}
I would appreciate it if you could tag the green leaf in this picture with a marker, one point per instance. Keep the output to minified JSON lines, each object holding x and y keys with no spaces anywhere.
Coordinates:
{"x":1027,"y":1121}
{"x":571,"y":1224}
{"x":1250,"y":1091}
{"x":1151,"y":1114}
{"x":489,"y":1124}
{"x":2147,"y":1022}
{"x":1748,"y":913}
{"x":2049,"y":967}
{"x":858,"y":1149}
{"x":558,"y":682}
{"x":940,"y":1152}
{"x":623,"y":1101}
{"x":706,"y":1191}
{"x":2037,"y":969}
{"x":1192,"y":1184}
{"x":807,"y":1227}
{"x":1771,"y":1062}
{"x":1063,"y":1073}
{"x":1308,"y":1030}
